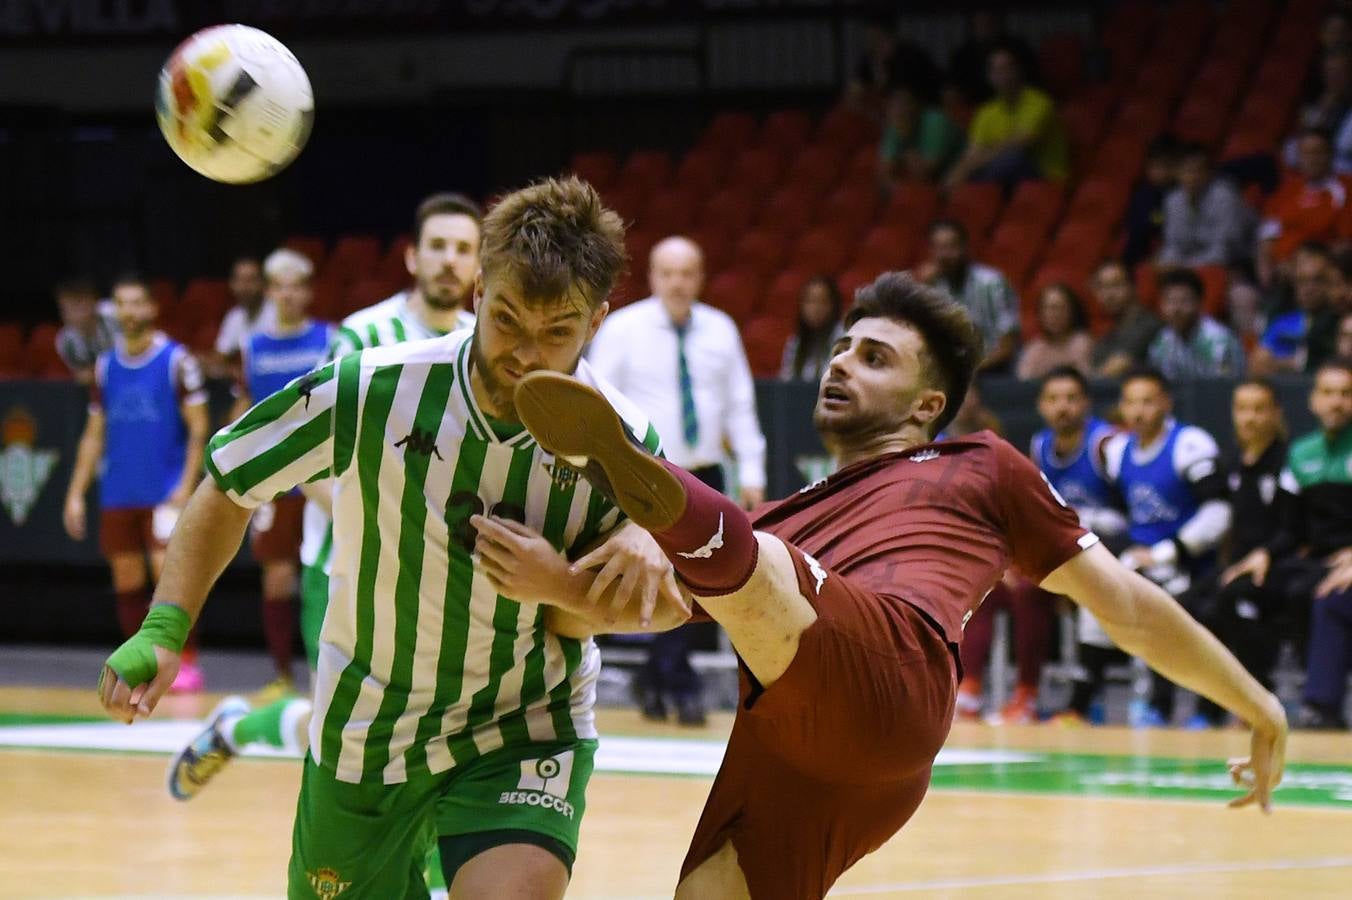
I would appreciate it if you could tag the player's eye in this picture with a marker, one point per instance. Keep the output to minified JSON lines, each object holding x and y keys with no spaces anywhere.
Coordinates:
{"x":505,"y":321}
{"x":561,"y":334}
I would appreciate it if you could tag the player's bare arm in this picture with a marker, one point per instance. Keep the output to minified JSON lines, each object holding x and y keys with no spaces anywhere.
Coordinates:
{"x":198,"y":424}
{"x":87,"y":458}
{"x":1145,"y":621}
{"x":206,"y":538}
{"x":522,"y":565}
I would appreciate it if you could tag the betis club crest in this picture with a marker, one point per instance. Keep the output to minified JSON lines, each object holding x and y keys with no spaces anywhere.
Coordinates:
{"x":24,"y":470}
{"x":327,"y":883}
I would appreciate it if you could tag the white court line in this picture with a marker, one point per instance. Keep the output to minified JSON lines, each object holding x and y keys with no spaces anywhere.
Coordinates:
{"x":1328,"y":862}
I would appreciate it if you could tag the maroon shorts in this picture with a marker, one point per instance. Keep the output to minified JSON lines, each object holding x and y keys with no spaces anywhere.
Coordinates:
{"x":833,"y":758}
{"x":130,"y":530}
{"x":275,"y":529}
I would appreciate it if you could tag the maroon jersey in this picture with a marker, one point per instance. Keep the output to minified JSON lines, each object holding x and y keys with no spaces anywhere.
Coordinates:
{"x":934,"y":525}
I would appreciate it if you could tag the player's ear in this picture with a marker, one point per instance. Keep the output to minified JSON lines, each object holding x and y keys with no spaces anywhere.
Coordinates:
{"x":928,"y":405}
{"x":478,"y":289}
{"x":598,"y":316}
{"x":411,"y":259}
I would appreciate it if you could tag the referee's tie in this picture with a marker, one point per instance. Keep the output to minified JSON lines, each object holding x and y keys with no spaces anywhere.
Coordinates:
{"x":689,"y":423}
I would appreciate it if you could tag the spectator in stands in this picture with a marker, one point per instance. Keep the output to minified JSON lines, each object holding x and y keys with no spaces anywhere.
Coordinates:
{"x":1300,"y":339}
{"x":250,"y":311}
{"x":1239,"y":606}
{"x":1328,"y":110}
{"x":1127,"y":342}
{"x":143,"y":439}
{"x":919,"y":141}
{"x":1069,"y":452}
{"x":1192,"y":345}
{"x":1063,"y":335}
{"x":1014,"y":136}
{"x":889,"y":62}
{"x":1344,"y":345}
{"x":1169,"y":475}
{"x":1144,"y":223}
{"x":986,"y":33}
{"x":983,"y":290}
{"x":86,"y":330}
{"x":1206,"y":221}
{"x":1310,"y":205}
{"x":692,"y":380}
{"x":808,"y":350}
{"x":271,"y":357}
{"x":1321,"y":465}
{"x":1335,"y":31}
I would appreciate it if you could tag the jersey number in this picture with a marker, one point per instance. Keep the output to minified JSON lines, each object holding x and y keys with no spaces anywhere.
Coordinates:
{"x":463,"y":505}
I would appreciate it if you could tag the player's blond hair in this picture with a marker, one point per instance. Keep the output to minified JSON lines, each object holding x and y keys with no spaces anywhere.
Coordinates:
{"x":287,"y":263}
{"x":557,"y":239}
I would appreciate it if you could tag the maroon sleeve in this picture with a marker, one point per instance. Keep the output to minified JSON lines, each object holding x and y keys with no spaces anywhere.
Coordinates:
{"x":1043,"y":532}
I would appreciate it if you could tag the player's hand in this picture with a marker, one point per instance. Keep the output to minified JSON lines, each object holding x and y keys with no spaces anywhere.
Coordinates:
{"x":1261,"y":771}
{"x":1339,"y":578}
{"x":644,"y":572}
{"x":518,"y":561}
{"x":1255,"y":565}
{"x":751,"y":498}
{"x":73,"y":517}
{"x":135,"y":677}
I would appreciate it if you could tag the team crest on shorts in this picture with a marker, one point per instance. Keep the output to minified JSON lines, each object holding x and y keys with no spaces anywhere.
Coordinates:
{"x":327,"y":883}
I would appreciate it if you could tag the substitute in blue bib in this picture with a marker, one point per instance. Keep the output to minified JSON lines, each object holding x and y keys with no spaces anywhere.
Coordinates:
{"x":288,"y":346}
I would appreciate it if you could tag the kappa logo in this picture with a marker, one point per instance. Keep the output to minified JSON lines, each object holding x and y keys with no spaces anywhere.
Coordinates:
{"x":817,"y":571}
{"x":306,"y":385}
{"x":714,"y":543}
{"x":925,"y":455}
{"x":561,"y":474}
{"x":544,"y":783}
{"x":423,"y":443}
{"x":327,"y":883}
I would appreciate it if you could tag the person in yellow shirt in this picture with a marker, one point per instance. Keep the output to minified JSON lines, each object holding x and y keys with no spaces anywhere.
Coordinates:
{"x":1015,"y":135}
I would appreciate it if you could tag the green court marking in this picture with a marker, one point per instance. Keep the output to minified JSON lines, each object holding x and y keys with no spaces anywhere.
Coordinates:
{"x":11,"y":718}
{"x":1142,"y":777}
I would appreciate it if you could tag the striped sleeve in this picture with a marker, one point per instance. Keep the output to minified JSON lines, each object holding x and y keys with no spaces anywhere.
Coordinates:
{"x":281,"y":442}
{"x":345,"y":340}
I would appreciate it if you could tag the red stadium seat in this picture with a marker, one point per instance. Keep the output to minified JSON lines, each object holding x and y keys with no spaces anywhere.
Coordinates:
{"x":757,"y":169}
{"x":165,"y":292}
{"x":1035,"y":204}
{"x":1061,"y":62}
{"x":1100,"y":198}
{"x":737,"y":291}
{"x":717,"y":242}
{"x":1014,"y":255}
{"x":764,"y":338}
{"x":1143,"y":115}
{"x":1119,"y":156}
{"x":368,"y":292}
{"x":762,"y":251}
{"x":889,"y":247}
{"x":786,"y":213}
{"x":846,"y":127}
{"x":913,"y":203}
{"x":731,"y":209}
{"x":393,"y":265}
{"x":40,"y":356}
{"x":850,"y":208}
{"x":728,"y":134}
{"x":700,"y":172}
{"x":976,"y":205}
{"x":1053,"y":272}
{"x":816,"y":169}
{"x":204,"y":301}
{"x":313,"y":247}
{"x":787,"y":129}
{"x":1215,"y":285}
{"x":354,"y":257}
{"x":821,"y":249}
{"x":645,"y":171}
{"x":1079,"y":244}
{"x":862,"y":165}
{"x":597,"y":168}
{"x":13,"y":357}
{"x":671,"y":210}
{"x":855,"y":277}
{"x":781,"y":297}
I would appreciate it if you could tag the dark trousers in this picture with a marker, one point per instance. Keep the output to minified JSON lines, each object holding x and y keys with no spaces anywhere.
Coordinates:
{"x":668,"y":668}
{"x":1242,"y":617}
{"x":1031,"y":610}
{"x":1330,"y":653}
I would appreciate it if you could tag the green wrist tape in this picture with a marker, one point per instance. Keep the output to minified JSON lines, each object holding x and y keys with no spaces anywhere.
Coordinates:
{"x":165,"y":626}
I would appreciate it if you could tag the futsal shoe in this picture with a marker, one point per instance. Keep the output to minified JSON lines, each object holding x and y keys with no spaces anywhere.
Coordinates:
{"x":576,"y":423}
{"x":967,"y":705}
{"x":274,"y":690}
{"x":189,"y":679}
{"x":208,"y":751}
{"x":690,"y":710}
{"x":1021,"y":708}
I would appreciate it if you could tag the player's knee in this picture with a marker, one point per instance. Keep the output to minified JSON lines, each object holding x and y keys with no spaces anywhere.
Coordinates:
{"x":510,"y":870}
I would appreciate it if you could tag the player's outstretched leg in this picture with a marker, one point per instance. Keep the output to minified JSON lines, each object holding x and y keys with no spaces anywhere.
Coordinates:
{"x":746,"y":581}
{"x":207,"y":753}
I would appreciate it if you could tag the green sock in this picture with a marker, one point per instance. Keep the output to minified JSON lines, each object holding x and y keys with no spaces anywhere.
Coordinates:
{"x":270,"y":724}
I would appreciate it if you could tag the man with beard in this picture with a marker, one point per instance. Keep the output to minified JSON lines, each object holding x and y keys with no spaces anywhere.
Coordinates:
{"x":145,"y":432}
{"x":983,"y":291}
{"x":846,"y":607}
{"x":446,"y":709}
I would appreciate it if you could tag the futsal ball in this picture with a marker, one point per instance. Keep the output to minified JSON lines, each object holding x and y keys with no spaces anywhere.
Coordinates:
{"x":234,"y":103}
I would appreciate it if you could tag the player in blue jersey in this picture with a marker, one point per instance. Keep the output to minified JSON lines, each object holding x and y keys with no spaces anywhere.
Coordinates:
{"x":143,"y":439}
{"x":1170,"y":477}
{"x":283,"y":349}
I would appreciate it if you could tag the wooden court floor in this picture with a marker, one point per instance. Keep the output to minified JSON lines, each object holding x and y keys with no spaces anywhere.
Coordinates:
{"x":88,"y":823}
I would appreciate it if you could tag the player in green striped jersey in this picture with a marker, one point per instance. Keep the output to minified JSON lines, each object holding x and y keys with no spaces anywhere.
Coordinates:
{"x":444,"y":710}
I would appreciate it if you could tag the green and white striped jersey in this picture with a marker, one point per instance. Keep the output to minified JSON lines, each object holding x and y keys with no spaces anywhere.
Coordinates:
{"x":390,"y":321}
{"x":422,"y":666}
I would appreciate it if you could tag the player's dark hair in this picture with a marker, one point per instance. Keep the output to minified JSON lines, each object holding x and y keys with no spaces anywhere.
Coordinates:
{"x":447,"y":203}
{"x":131,"y":279}
{"x":558,"y":239}
{"x":953,"y":343}
{"x":1336,"y":364}
{"x":1148,"y":373}
{"x":1066,"y":371}
{"x":247,"y":259}
{"x":1319,"y":249}
{"x":1259,"y":382}
{"x":1315,"y":131}
{"x":77,"y":285}
{"x":816,"y":340}
{"x":1079,"y":319}
{"x":1182,"y":278}
{"x":953,"y":225}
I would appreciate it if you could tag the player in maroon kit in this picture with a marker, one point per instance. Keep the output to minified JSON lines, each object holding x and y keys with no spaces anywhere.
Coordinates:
{"x":846,"y":603}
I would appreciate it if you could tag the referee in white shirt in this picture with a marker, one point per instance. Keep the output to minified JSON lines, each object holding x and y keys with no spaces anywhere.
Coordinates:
{"x":682,"y":362}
